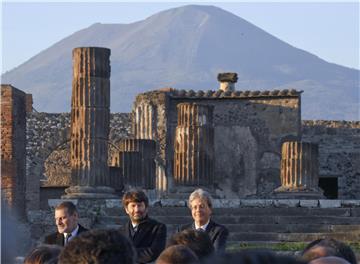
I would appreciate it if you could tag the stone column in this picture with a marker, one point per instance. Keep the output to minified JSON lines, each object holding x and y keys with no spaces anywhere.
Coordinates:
{"x":144,"y":125}
{"x":299,"y":170}
{"x":137,"y":160}
{"x":13,"y":149}
{"x":227,"y":81}
{"x":194,"y":145}
{"x":90,"y":114}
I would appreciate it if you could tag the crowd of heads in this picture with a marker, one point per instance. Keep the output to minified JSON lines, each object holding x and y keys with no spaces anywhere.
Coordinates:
{"x":189,"y":246}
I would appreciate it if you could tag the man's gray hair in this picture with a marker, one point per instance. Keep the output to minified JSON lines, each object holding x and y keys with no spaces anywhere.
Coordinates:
{"x":202,"y":195}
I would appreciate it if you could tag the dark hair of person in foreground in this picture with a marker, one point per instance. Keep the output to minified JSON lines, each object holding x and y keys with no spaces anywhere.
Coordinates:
{"x":43,"y":254}
{"x":326,"y":247}
{"x":252,"y":256}
{"x":177,"y":254}
{"x":197,"y":241}
{"x":98,"y":247}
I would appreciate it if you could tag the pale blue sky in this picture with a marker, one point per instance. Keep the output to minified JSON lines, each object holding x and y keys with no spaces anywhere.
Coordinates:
{"x":329,"y":30}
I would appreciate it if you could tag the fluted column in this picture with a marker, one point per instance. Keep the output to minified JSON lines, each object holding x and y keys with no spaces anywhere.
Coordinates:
{"x":194,"y":145}
{"x":137,"y":161}
{"x":144,"y":126}
{"x":299,"y":169}
{"x":90,"y":115}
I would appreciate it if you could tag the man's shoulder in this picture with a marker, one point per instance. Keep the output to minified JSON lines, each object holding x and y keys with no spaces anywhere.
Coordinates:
{"x":82,"y":229}
{"x":51,"y":238}
{"x":154,"y":222}
{"x":217,"y":227}
{"x":186,"y":226}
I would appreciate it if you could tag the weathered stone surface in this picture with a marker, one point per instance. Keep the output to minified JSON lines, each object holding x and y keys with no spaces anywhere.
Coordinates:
{"x":173,"y":202}
{"x":339,"y":152}
{"x":137,"y":162}
{"x":55,"y":202}
{"x":329,"y":203}
{"x":227,"y":77}
{"x":194,"y":145}
{"x":256,"y":202}
{"x":13,"y":142}
{"x":90,"y":115}
{"x":350,"y":203}
{"x":309,"y":203}
{"x":286,"y":203}
{"x":113,"y":203}
{"x":226,"y":203}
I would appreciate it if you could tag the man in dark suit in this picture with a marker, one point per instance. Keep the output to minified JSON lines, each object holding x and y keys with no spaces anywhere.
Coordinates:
{"x":147,"y":235}
{"x":66,"y":219}
{"x":200,"y":204}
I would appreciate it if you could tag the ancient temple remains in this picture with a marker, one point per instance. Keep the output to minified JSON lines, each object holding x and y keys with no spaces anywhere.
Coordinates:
{"x":136,"y":160}
{"x":13,"y":143}
{"x":299,"y":170}
{"x":194,"y":145}
{"x":90,"y":113}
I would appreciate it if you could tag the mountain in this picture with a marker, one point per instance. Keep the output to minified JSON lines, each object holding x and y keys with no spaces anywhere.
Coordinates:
{"x":186,"y":48}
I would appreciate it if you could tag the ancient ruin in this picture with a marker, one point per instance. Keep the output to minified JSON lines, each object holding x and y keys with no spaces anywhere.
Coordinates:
{"x":194,"y":145}
{"x":250,"y":149}
{"x":90,"y":114}
{"x":299,"y":171}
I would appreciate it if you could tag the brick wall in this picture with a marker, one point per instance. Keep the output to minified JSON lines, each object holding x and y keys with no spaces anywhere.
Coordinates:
{"x":13,"y":142}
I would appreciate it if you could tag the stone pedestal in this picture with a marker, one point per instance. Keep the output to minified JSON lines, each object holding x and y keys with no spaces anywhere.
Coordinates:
{"x":299,"y":171}
{"x":194,"y":145}
{"x":137,"y":162}
{"x":90,"y":114}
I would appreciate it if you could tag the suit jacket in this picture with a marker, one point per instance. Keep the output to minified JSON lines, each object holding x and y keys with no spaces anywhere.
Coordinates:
{"x":58,"y":239}
{"x":217,"y":233}
{"x":149,"y":240}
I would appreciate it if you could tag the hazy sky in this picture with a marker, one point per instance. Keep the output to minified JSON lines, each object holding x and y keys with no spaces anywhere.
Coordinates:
{"x":329,"y":30}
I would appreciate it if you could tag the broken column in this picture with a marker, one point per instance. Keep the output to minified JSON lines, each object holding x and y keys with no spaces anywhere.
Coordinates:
{"x":137,"y":162}
{"x":299,"y":171}
{"x":90,"y":114}
{"x":194,"y":145}
{"x":227,"y":81}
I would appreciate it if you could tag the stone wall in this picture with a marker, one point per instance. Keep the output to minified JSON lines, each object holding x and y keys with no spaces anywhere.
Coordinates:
{"x":249,"y":129}
{"x":48,"y":150}
{"x":339,"y":153}
{"x":13,"y":140}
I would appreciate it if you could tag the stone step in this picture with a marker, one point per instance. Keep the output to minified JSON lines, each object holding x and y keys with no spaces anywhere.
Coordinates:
{"x":345,"y":233}
{"x":305,"y":220}
{"x":183,"y":211}
{"x":292,"y":237}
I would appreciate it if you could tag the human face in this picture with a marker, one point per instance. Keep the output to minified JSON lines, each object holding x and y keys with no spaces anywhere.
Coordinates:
{"x":65,"y":222}
{"x":200,"y":211}
{"x":136,"y":211}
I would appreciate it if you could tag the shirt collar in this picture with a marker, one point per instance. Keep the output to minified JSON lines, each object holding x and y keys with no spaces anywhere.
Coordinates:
{"x":203,"y":227}
{"x":74,"y":232}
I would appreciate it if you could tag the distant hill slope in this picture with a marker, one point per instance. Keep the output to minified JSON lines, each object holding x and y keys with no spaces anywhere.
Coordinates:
{"x":185,"y":48}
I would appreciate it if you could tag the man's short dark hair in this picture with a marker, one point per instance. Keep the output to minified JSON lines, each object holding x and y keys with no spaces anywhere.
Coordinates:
{"x":197,"y":241}
{"x":331,"y":247}
{"x":98,"y":247}
{"x":71,"y":208}
{"x":177,"y":254}
{"x":135,"y":196}
{"x":43,"y":254}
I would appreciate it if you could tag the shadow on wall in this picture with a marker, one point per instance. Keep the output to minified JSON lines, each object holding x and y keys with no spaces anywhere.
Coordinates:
{"x":15,"y":236}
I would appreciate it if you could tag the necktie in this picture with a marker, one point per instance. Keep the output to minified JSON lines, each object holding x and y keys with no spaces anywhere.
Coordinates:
{"x":67,"y":238}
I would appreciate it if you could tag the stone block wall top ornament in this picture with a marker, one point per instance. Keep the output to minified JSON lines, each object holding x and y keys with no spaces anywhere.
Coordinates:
{"x":227,"y":77}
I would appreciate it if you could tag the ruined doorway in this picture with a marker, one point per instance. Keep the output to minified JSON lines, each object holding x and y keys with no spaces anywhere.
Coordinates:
{"x":330,"y":187}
